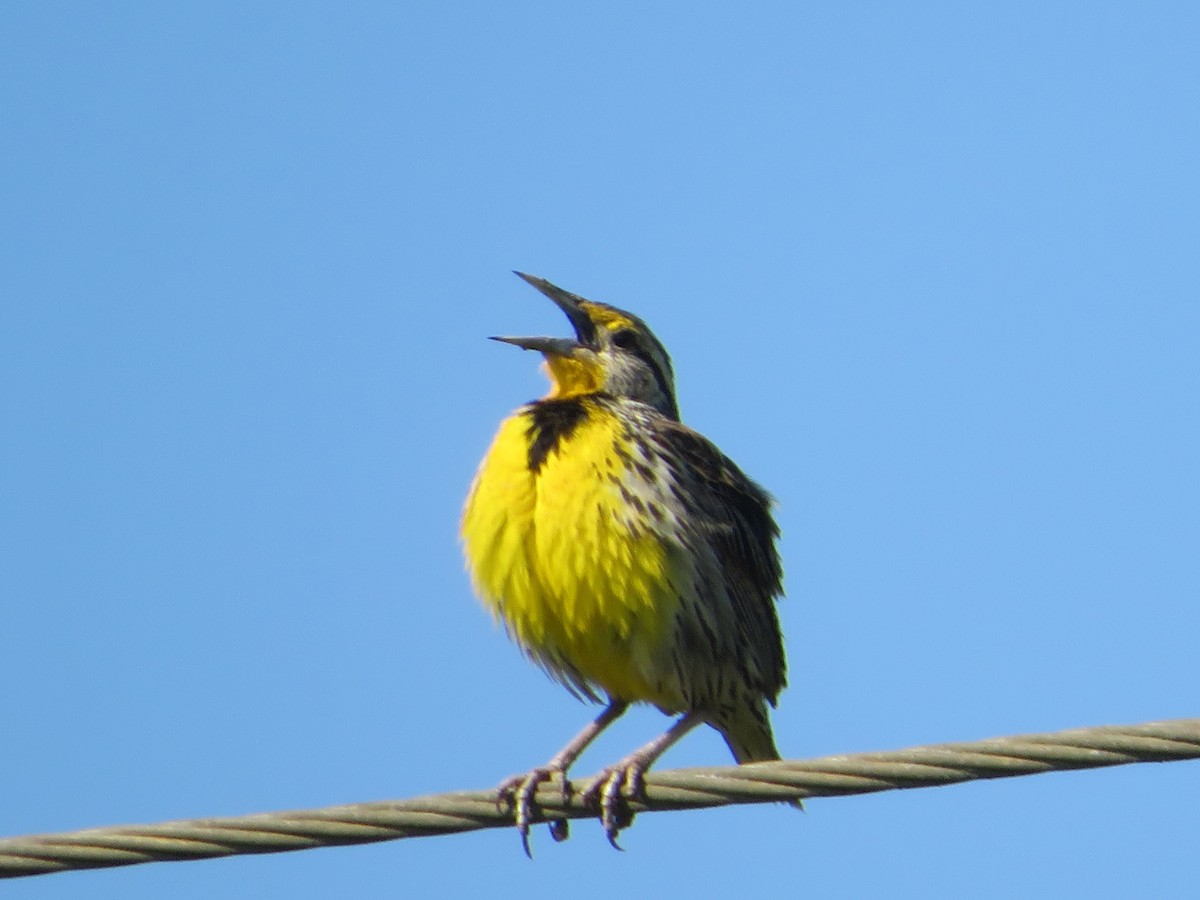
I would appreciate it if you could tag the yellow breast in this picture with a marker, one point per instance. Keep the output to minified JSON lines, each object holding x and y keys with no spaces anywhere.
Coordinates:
{"x":572,"y":569}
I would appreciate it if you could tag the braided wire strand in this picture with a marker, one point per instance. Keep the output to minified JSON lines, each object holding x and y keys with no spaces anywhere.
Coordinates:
{"x":786,"y":780}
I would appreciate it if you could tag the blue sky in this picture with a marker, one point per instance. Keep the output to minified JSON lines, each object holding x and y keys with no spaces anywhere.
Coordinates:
{"x":927,"y":271}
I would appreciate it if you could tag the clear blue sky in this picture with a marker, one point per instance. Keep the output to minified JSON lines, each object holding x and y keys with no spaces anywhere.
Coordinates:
{"x":929,"y":273}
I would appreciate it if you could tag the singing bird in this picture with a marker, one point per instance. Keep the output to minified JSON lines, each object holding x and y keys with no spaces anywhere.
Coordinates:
{"x":626,"y":554}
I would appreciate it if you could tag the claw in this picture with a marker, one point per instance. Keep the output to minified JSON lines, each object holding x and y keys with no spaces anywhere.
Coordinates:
{"x":609,"y":791}
{"x":560,"y":830}
{"x":518,"y":793}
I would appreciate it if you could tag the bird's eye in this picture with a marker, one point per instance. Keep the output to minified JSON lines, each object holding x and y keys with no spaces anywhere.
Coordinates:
{"x":626,"y":338}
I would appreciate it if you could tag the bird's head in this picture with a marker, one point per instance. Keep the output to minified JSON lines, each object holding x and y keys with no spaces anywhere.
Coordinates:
{"x":613,"y":352}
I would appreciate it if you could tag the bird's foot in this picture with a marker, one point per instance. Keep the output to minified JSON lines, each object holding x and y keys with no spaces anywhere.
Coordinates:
{"x":611,"y":788}
{"x":518,"y":793}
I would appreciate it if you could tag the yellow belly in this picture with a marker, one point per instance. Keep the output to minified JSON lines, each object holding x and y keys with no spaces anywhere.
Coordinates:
{"x":568,"y":566}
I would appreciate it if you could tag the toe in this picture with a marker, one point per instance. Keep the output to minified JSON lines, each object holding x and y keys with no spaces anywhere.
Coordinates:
{"x":518,"y":795}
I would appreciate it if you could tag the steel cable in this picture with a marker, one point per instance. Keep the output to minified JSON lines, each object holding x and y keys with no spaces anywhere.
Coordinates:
{"x":787,"y":780}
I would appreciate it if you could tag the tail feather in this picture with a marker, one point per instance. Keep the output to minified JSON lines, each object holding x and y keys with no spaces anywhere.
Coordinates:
{"x":750,"y":739}
{"x":748,"y":734}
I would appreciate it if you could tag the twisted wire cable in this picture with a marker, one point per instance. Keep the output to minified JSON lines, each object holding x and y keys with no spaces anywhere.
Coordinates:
{"x":786,"y":780}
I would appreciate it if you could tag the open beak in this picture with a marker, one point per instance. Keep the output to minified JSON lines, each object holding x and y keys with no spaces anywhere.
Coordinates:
{"x":585,"y":329}
{"x":561,"y":346}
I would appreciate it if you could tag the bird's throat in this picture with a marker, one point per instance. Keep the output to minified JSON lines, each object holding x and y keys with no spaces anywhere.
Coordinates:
{"x":571,"y":376}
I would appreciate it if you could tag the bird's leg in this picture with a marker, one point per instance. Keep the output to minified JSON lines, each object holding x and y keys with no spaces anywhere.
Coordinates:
{"x":518,"y":792}
{"x":626,"y":777}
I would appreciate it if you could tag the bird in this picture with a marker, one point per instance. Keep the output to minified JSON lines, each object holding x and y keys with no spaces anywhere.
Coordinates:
{"x":626,"y":555}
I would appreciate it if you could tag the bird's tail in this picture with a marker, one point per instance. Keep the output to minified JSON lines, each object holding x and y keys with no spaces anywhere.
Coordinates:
{"x":750,"y":739}
{"x":748,"y":733}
